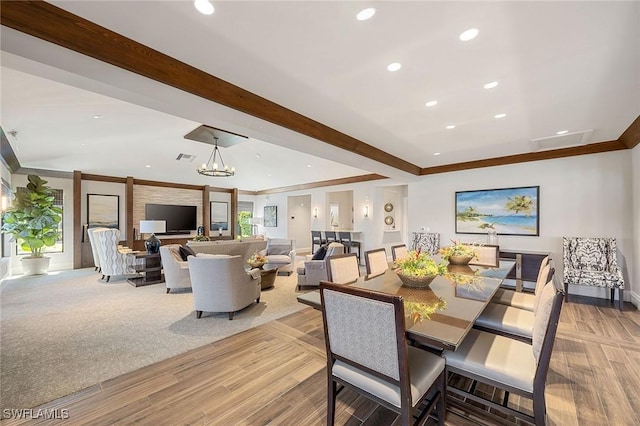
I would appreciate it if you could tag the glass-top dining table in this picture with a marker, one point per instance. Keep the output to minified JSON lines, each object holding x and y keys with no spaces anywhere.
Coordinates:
{"x":442,"y":314}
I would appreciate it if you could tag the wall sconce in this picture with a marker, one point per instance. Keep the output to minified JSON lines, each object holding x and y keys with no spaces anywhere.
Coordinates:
{"x":315,"y":212}
{"x":365,"y":211}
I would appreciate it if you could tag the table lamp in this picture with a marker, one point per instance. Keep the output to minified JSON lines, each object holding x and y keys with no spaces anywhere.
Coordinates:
{"x":151,"y":227}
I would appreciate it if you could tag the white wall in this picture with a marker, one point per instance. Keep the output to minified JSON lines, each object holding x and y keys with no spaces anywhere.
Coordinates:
{"x":635,"y":190}
{"x":579,"y":196}
{"x":5,"y":262}
{"x":299,"y":221}
{"x":105,"y":188}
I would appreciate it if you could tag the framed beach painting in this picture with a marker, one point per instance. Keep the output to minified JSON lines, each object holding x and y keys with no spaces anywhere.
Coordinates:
{"x":508,"y":211}
{"x":271,"y":216}
{"x":103,"y":211}
{"x":219,"y":216}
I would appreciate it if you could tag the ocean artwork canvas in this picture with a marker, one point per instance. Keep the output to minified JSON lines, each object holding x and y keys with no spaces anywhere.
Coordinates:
{"x":219,"y":216}
{"x":508,"y":211}
{"x":103,"y":211}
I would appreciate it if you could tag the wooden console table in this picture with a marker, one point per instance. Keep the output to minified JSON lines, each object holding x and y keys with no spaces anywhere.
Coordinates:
{"x":525,"y":273}
{"x":150,"y":268}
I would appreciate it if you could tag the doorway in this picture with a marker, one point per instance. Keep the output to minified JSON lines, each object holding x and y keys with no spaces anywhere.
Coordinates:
{"x":299,"y":221}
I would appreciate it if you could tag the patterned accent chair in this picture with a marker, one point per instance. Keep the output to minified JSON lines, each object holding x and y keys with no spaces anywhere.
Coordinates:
{"x":311,"y":272}
{"x":367,"y":351}
{"x":94,"y":248}
{"x":176,"y":270}
{"x":427,"y":242}
{"x":592,"y":261}
{"x":112,"y":261}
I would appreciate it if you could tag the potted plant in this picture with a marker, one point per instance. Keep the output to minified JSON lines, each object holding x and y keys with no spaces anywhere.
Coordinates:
{"x":417,"y":269}
{"x":459,"y":253}
{"x":33,"y":222}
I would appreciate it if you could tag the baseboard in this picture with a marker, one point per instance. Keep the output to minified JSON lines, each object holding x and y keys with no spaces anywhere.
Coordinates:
{"x":635,"y":299}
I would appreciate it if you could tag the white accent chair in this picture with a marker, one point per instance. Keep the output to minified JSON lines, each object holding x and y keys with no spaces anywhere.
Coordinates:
{"x":112,"y":260}
{"x":376,"y":261}
{"x":220,"y":283}
{"x":516,"y":367}
{"x":343,"y":268}
{"x":280,"y":253}
{"x":311,"y":272}
{"x":367,"y":351}
{"x":94,"y":248}
{"x":176,"y":270}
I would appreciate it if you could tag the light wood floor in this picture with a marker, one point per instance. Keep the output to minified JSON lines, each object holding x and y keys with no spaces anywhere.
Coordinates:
{"x":274,"y":374}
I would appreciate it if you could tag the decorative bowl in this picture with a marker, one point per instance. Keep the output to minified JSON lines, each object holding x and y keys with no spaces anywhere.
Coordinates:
{"x":460,"y":260}
{"x":256,"y":264}
{"x":415,"y":282}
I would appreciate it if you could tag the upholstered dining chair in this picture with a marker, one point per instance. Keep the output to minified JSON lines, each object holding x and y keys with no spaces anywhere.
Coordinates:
{"x":486,"y":255}
{"x":516,"y":367}
{"x":376,"y":261}
{"x":343,"y":268}
{"x":220,"y":283}
{"x":592,"y":261}
{"x":367,"y":352}
{"x":521,"y":300}
{"x":112,"y":261}
{"x":94,"y":248}
{"x":399,"y":251}
{"x":509,"y":321}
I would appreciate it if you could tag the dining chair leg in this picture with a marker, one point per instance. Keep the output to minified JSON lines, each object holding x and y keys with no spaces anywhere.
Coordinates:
{"x":539,"y":407}
{"x":331,"y":402}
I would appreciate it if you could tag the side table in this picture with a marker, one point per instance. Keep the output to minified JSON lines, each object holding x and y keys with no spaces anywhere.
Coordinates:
{"x":150,"y":268}
{"x":268,"y":278}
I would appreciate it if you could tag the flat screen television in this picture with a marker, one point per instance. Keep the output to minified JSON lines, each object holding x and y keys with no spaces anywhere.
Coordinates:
{"x":179,"y":219}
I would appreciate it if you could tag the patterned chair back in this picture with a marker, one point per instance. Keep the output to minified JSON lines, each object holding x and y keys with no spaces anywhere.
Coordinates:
{"x":593,"y":254}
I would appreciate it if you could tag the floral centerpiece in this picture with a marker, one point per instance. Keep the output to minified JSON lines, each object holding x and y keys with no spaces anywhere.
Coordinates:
{"x":459,"y":253}
{"x":418,"y":269}
{"x":257,"y":261}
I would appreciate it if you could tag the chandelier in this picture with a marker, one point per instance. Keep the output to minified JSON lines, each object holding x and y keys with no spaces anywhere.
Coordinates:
{"x":211,"y":168}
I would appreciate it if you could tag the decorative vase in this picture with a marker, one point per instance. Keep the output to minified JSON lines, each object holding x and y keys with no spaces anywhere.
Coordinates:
{"x":35,"y":265}
{"x":415,"y":282}
{"x":152,"y":244}
{"x":460,"y":260}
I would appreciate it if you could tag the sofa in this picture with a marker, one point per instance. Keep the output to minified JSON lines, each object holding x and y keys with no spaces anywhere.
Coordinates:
{"x":280,"y":253}
{"x":311,"y":272}
{"x":244,"y":249}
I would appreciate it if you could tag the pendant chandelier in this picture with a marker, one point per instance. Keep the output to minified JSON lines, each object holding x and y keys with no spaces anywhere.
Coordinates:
{"x":212,"y":168}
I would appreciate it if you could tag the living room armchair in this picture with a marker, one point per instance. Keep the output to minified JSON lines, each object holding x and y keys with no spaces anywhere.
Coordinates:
{"x":176,"y":270}
{"x":311,"y":272}
{"x":280,"y":253}
{"x":112,"y":261}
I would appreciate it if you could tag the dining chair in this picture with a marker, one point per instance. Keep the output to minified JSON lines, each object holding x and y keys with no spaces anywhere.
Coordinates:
{"x":521,"y":300}
{"x":376,"y":261}
{"x":509,"y":321}
{"x":342,"y":268}
{"x":367,"y":352}
{"x":345,"y":239}
{"x":511,"y":365}
{"x":486,"y":255}
{"x":593,"y":262}
{"x":399,"y":251}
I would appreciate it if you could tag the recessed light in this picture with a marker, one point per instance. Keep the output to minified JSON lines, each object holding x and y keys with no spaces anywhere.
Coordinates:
{"x":147,"y":166}
{"x":204,"y":7}
{"x":365,"y":14}
{"x":436,"y":153}
{"x":469,"y":34}
{"x":83,"y":144}
{"x":308,"y":165}
{"x":97,"y":116}
{"x":500,"y":116}
{"x":394,"y":66}
{"x":431,"y":103}
{"x":562,"y":132}
{"x":257,"y":155}
{"x":491,"y":85}
{"x":450,"y":126}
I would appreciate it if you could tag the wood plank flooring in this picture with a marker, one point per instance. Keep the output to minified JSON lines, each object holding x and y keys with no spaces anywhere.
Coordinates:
{"x":274,"y":374}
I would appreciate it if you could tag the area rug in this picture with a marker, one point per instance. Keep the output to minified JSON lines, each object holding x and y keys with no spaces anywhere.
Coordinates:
{"x":63,"y":332}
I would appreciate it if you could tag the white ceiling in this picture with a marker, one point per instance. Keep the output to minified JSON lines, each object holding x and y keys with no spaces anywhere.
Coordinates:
{"x":560,"y":66}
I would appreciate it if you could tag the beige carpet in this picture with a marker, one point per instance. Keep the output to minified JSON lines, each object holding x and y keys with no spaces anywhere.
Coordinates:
{"x":63,"y":332}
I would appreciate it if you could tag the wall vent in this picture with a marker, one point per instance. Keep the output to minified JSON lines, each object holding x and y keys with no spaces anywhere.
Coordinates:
{"x":186,"y":157}
{"x":567,"y":140}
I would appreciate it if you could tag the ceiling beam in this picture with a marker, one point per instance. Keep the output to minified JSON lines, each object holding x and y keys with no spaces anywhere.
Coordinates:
{"x":631,"y":137}
{"x":8,"y":154}
{"x":320,"y":184}
{"x":55,"y":25}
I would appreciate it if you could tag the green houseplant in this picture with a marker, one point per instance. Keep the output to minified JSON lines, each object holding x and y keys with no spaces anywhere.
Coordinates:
{"x":33,"y":222}
{"x":418,"y":269}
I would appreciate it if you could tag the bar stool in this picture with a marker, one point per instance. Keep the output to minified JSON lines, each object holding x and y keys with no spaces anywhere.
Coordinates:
{"x":347,"y":242}
{"x":330,"y":237}
{"x":316,"y":240}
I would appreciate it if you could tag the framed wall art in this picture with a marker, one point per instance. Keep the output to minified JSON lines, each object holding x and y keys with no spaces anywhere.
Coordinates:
{"x":271,"y":216}
{"x":508,"y":211}
{"x":103,"y":211}
{"x":219,"y":216}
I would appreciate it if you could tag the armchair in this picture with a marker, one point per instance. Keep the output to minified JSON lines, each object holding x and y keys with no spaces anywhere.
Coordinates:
{"x":221,"y":284}
{"x":592,"y":261}
{"x":94,"y":248}
{"x":112,"y":261}
{"x":311,"y":272}
{"x":280,"y":254}
{"x":176,"y":270}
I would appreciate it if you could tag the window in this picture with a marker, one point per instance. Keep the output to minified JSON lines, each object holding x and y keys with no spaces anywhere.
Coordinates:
{"x":245,"y":213}
{"x":5,"y":193}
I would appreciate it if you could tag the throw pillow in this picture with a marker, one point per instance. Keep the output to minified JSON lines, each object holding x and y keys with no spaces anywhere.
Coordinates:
{"x":186,"y":251}
{"x":320,"y":253}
